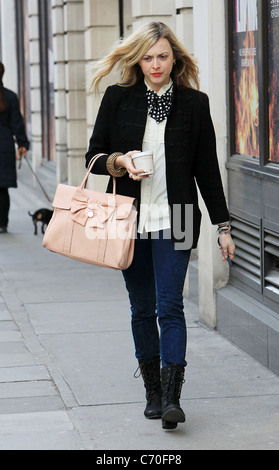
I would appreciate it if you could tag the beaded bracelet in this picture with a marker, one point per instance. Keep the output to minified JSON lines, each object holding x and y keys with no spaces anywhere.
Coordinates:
{"x":111,"y":168}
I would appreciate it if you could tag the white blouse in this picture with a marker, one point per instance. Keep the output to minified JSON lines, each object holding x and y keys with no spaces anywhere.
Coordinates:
{"x":154,"y":208}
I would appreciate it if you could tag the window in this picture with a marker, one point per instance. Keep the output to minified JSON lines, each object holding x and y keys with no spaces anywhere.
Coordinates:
{"x":245,"y":78}
{"x":253,"y":163}
{"x":254,"y":76}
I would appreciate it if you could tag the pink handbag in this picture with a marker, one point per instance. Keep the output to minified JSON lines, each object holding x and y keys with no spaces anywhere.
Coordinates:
{"x":93,"y":227}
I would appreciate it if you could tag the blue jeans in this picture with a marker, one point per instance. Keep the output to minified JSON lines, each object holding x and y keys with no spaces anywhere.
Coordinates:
{"x":155,"y":283}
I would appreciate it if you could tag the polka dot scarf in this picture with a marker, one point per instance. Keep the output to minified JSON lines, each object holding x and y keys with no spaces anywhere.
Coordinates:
{"x":159,"y":106}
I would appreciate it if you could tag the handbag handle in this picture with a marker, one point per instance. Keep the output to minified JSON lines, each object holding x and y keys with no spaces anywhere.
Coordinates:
{"x":89,"y":169}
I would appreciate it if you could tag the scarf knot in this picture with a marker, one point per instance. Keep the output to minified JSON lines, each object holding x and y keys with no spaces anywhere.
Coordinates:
{"x":159,"y":106}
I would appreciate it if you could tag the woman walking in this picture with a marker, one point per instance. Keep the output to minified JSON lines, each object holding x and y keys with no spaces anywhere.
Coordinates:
{"x":157,"y":106}
{"x":11,"y":125}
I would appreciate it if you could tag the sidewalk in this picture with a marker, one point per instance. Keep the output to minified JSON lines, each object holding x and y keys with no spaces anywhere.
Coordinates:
{"x":67,"y":360}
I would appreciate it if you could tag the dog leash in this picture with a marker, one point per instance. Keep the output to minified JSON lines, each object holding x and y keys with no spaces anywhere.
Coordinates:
{"x":34,"y":174}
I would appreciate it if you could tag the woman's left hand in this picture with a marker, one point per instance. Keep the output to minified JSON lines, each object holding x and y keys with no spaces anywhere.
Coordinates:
{"x":21,"y":151}
{"x":227,"y":246}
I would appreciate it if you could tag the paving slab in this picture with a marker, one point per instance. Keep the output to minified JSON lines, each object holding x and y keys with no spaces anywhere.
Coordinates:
{"x":5,"y":315}
{"x":212,"y":424}
{"x":50,"y":440}
{"x":23,"y":374}
{"x":79,"y":317}
{"x":15,"y":353}
{"x":31,"y":404}
{"x":35,"y":422}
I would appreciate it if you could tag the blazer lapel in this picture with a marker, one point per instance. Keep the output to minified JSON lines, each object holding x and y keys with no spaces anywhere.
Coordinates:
{"x":133,"y":115}
{"x":178,"y":124}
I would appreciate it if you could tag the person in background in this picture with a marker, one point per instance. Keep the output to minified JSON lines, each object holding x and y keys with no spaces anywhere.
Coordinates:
{"x":11,"y":126}
{"x":157,"y":106}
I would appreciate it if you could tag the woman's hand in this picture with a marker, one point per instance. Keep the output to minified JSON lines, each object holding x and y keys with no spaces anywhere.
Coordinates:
{"x":125,"y":161}
{"x":22,"y":151}
{"x":227,"y":246}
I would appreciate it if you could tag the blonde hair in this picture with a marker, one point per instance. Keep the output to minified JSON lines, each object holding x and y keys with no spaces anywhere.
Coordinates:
{"x":126,"y":55}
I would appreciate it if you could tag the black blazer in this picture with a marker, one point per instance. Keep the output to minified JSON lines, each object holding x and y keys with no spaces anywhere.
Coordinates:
{"x":190,"y":149}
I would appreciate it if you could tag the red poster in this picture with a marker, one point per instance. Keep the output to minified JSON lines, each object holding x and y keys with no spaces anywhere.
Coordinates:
{"x":245,"y":77}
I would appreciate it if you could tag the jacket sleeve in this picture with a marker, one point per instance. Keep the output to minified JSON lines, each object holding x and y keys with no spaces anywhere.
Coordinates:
{"x":206,"y":168}
{"x":17,"y":123}
{"x":100,"y":139}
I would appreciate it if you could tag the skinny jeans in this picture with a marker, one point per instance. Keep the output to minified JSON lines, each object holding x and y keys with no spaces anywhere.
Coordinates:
{"x":155,"y":283}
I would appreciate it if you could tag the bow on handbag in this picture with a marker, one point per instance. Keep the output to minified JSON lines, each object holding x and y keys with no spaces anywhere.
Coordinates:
{"x":96,"y":213}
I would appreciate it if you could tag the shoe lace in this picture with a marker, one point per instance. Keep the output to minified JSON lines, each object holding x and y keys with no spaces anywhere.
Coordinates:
{"x":150,"y":377}
{"x":174,"y":382}
{"x":136,"y":372}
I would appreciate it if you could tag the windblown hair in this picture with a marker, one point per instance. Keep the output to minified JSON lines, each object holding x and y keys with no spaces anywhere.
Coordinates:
{"x":126,"y":55}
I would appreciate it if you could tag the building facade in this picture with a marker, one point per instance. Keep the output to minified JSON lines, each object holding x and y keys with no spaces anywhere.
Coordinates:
{"x":49,"y":48}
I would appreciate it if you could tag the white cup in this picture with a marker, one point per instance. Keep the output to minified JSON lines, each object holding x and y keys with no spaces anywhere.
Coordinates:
{"x":144,"y":161}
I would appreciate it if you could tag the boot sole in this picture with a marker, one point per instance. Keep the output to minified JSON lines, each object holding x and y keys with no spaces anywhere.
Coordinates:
{"x":174,"y":415}
{"x":155,"y":416}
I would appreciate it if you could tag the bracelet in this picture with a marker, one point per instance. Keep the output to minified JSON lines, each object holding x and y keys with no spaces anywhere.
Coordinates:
{"x":111,"y":168}
{"x":224,"y":228}
{"x":223,"y":224}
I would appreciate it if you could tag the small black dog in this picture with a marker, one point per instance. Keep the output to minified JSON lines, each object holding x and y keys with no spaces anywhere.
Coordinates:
{"x":42,"y":215}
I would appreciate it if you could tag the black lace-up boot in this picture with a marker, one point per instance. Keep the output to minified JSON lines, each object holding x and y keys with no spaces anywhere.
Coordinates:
{"x":151,"y":374}
{"x":172,"y":381}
